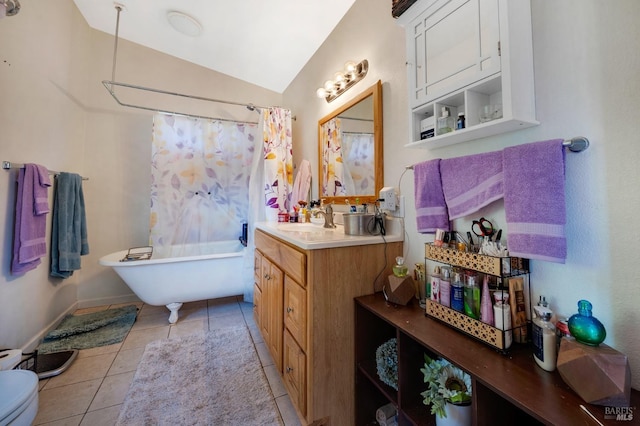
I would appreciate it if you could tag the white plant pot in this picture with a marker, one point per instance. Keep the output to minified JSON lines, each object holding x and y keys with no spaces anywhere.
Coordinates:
{"x":457,"y":415}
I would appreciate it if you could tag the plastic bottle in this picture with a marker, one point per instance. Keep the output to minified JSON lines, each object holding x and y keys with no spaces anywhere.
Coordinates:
{"x":472,"y":296}
{"x":445,"y":286}
{"x":486,"y":308}
{"x":461,"y":123}
{"x":457,"y":292}
{"x":544,"y":339}
{"x":435,"y":284}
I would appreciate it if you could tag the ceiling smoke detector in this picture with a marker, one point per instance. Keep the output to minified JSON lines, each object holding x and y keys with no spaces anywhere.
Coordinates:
{"x":184,"y":23}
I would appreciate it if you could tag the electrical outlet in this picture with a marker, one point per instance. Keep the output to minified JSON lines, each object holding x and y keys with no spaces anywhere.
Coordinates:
{"x":388,"y":197}
{"x":399,"y":212}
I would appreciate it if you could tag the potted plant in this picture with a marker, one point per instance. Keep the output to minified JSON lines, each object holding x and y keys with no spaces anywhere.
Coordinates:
{"x":449,"y":392}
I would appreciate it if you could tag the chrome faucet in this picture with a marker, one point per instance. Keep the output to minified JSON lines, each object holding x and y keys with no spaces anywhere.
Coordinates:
{"x":328,"y":216}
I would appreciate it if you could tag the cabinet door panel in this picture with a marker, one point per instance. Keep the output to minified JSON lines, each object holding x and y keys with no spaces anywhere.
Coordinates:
{"x":257,"y":306}
{"x":276,"y":321}
{"x":455,"y":43}
{"x":295,"y":373}
{"x":295,"y":311}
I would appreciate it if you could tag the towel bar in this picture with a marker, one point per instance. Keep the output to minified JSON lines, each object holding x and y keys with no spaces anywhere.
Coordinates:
{"x":9,"y":165}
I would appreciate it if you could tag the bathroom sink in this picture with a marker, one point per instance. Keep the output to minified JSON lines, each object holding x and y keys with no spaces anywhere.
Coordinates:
{"x":303,"y":227}
{"x":310,"y":236}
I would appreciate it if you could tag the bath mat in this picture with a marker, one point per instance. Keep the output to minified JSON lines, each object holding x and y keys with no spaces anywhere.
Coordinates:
{"x":90,"y":330}
{"x":207,"y":378}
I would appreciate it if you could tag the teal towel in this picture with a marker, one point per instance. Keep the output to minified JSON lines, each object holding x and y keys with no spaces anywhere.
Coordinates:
{"x":69,"y":230}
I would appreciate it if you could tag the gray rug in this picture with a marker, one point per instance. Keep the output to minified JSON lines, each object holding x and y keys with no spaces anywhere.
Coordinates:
{"x":208,"y":378}
{"x":90,"y":330}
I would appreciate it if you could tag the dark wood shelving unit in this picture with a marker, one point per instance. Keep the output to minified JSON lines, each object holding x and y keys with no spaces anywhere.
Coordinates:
{"x":507,"y":388}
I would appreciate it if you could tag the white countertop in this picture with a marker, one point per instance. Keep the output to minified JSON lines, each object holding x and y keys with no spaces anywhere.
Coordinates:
{"x":311,"y":236}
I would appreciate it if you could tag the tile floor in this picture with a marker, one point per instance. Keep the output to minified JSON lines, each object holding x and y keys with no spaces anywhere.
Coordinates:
{"x":92,"y":390}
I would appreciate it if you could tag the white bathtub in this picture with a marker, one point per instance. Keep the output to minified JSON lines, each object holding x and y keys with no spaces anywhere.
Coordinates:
{"x":172,"y":281}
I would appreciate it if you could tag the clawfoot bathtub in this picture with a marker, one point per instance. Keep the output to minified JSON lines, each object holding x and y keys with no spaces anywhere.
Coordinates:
{"x":172,"y":281}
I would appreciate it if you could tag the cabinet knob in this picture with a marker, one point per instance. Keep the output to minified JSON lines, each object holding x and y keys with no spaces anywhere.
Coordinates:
{"x":289,"y":369}
{"x":267,"y":277}
{"x":289,"y":309}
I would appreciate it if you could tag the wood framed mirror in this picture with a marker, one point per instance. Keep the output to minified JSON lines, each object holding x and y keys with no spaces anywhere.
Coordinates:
{"x":350,"y":153}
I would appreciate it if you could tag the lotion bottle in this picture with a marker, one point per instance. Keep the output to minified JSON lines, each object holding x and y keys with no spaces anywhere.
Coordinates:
{"x":544,"y":339}
{"x":445,"y":286}
{"x":435,"y":284}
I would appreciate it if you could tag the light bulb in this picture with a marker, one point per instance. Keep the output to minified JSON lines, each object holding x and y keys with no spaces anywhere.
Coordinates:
{"x":321,"y":93}
{"x":350,"y":68}
{"x":338,"y":77}
{"x":329,"y":86}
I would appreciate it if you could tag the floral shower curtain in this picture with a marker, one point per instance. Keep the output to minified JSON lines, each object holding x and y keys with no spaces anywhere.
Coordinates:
{"x":199,"y":181}
{"x":278,"y":164}
{"x":334,"y":180}
{"x":270,"y":182}
{"x":358,"y":155}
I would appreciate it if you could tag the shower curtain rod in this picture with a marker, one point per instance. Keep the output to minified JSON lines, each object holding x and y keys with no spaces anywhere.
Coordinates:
{"x":9,"y":165}
{"x":109,"y":85}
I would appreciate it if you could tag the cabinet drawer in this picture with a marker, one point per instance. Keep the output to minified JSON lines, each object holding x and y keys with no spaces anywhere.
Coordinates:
{"x":295,"y":311}
{"x":295,"y":373}
{"x":290,"y":260}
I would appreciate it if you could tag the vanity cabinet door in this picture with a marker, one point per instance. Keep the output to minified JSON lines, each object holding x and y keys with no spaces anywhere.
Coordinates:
{"x":275,"y":285}
{"x":295,"y":373}
{"x":295,"y":311}
{"x":451,"y":44}
{"x":257,"y":306}
{"x":270,"y":321}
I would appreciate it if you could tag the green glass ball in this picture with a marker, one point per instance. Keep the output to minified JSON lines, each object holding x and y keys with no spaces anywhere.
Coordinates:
{"x":586,"y":328}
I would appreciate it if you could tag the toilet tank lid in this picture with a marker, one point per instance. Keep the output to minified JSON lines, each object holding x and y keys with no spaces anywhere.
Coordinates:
{"x":16,"y":387}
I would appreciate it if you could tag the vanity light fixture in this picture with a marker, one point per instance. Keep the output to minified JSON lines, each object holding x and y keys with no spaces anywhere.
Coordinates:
{"x":343,"y":80}
{"x":9,"y":8}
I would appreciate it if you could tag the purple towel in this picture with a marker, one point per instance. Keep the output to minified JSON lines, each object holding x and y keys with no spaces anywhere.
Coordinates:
{"x":471,"y":182}
{"x":534,"y":200}
{"x":32,"y":206}
{"x":431,"y":210}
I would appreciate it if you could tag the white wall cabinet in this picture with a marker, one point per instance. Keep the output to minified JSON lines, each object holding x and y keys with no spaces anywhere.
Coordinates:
{"x":464,"y":55}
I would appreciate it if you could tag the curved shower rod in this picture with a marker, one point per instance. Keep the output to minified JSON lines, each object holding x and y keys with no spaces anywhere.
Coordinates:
{"x":109,"y":85}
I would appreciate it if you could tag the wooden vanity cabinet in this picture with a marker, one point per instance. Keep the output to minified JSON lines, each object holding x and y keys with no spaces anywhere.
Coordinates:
{"x":317,"y":314}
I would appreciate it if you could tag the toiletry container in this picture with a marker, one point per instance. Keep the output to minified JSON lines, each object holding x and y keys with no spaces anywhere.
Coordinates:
{"x":486,"y":308}
{"x":445,"y":122}
{"x":457,"y":292}
{"x":445,"y":286}
{"x":502,"y":315}
{"x":18,"y":394}
{"x":461,"y":123}
{"x":435,"y":284}
{"x":472,"y":295}
{"x":544,"y":339}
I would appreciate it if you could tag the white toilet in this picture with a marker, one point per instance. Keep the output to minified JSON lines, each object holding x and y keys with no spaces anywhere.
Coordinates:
{"x":18,"y":397}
